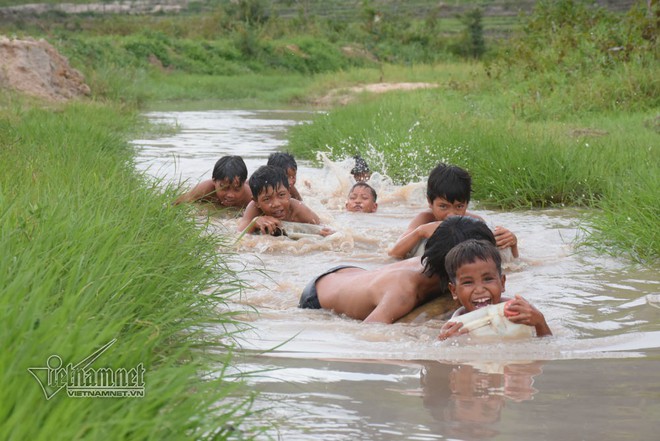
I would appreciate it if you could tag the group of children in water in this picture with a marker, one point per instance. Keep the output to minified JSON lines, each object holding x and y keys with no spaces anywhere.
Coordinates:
{"x":460,"y":255}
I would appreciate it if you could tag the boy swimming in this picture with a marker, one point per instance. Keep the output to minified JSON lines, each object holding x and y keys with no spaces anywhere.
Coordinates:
{"x":227,"y":186}
{"x":361,"y":172}
{"x":388,"y":293}
{"x":271,"y":204}
{"x":474,"y":268}
{"x":362,"y":198}
{"x":290,"y":166}
{"x":448,"y":193}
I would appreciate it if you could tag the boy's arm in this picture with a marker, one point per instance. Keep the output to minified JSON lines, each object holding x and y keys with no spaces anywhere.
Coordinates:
{"x":505,"y":239}
{"x":199,"y":191}
{"x":251,"y":211}
{"x":294,"y":193}
{"x":303,"y":214}
{"x":392,"y":307}
{"x":417,"y":230}
{"x":524,"y":313}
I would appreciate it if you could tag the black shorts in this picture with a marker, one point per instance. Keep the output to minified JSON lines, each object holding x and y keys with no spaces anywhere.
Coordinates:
{"x":309,"y":298}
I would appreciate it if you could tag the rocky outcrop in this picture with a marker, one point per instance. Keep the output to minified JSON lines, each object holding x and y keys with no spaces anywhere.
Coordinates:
{"x":36,"y":68}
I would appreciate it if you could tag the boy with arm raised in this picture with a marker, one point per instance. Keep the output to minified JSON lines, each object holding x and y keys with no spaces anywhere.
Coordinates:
{"x":448,"y":193}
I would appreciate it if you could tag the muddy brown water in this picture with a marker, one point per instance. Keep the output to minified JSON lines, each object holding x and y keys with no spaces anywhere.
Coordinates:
{"x":332,"y":378}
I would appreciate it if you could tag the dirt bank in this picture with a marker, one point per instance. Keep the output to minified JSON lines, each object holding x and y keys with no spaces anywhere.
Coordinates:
{"x":36,"y":68}
{"x":344,"y":95}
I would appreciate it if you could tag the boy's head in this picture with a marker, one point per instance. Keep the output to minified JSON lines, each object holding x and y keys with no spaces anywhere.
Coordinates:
{"x":230,"y":167}
{"x":475,"y":274}
{"x":287,"y":162}
{"x":361,"y":171}
{"x":448,"y":191}
{"x":362,"y":198}
{"x":270,"y":191}
{"x":450,"y":233}
{"x":229,"y":175}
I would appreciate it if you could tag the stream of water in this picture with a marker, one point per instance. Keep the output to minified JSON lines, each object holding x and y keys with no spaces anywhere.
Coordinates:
{"x":333,"y":378}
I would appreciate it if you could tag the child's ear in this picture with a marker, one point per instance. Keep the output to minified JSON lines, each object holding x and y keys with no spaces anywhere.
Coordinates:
{"x":452,"y":289}
{"x":503,"y":280}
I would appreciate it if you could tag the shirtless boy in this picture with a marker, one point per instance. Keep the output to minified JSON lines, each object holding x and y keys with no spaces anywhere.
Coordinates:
{"x":227,"y":186}
{"x":290,"y":166}
{"x":385,"y":294}
{"x":271,"y":203}
{"x":448,"y":193}
{"x":362,"y":198}
{"x":474,"y":268}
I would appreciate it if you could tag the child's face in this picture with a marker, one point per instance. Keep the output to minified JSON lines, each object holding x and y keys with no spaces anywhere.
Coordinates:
{"x":442,"y":208}
{"x":361,"y":199}
{"x":478,"y":284}
{"x":274,"y":202}
{"x":291,"y":176}
{"x":228,"y":191}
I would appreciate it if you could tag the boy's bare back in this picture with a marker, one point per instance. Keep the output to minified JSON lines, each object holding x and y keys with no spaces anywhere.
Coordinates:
{"x":381,"y":295}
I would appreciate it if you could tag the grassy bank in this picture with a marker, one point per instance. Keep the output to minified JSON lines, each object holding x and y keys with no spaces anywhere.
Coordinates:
{"x":566,"y":115}
{"x":609,"y":162}
{"x":91,"y":253}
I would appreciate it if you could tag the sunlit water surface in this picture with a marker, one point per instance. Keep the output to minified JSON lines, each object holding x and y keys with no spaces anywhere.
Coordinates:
{"x":333,"y":378}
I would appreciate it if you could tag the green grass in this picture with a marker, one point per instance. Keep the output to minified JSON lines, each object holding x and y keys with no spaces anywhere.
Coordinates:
{"x":607,"y":161}
{"x":92,"y":252}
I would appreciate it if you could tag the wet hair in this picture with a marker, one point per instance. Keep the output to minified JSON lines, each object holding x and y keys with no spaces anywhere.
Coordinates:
{"x":470,"y":251}
{"x":449,"y":182}
{"x":451,"y":232}
{"x":284,"y":160}
{"x":229,"y":167}
{"x":267,"y":176}
{"x":361,"y":166}
{"x":364,"y":184}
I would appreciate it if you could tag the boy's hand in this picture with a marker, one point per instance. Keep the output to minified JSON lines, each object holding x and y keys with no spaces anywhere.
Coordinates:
{"x":267,"y":224}
{"x":506,"y":239}
{"x":520,"y":311}
{"x":451,"y":329}
{"x":326,"y":231}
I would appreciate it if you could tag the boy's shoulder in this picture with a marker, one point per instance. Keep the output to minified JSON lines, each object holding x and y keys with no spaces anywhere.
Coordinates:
{"x":424,"y":217}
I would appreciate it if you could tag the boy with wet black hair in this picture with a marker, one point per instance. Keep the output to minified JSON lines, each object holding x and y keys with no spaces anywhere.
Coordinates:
{"x":361,"y":171}
{"x":271,"y":204}
{"x":362,"y":198}
{"x":390,"y":292}
{"x":474,"y":269}
{"x":290,"y":166}
{"x":227,"y":186}
{"x":448,"y":193}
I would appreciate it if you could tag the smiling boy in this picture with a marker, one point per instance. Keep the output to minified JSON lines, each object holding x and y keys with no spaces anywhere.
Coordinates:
{"x":474,"y":268}
{"x":387,"y":293}
{"x":272,"y":203}
{"x":448,"y":194}
{"x":362,"y":198}
{"x":227,"y":186}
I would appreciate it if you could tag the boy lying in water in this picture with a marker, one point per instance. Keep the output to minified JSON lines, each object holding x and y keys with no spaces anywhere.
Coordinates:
{"x":474,"y":268}
{"x":448,"y":193}
{"x":362,"y":199}
{"x":227,"y":186}
{"x":388,"y":293}
{"x":271,"y":204}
